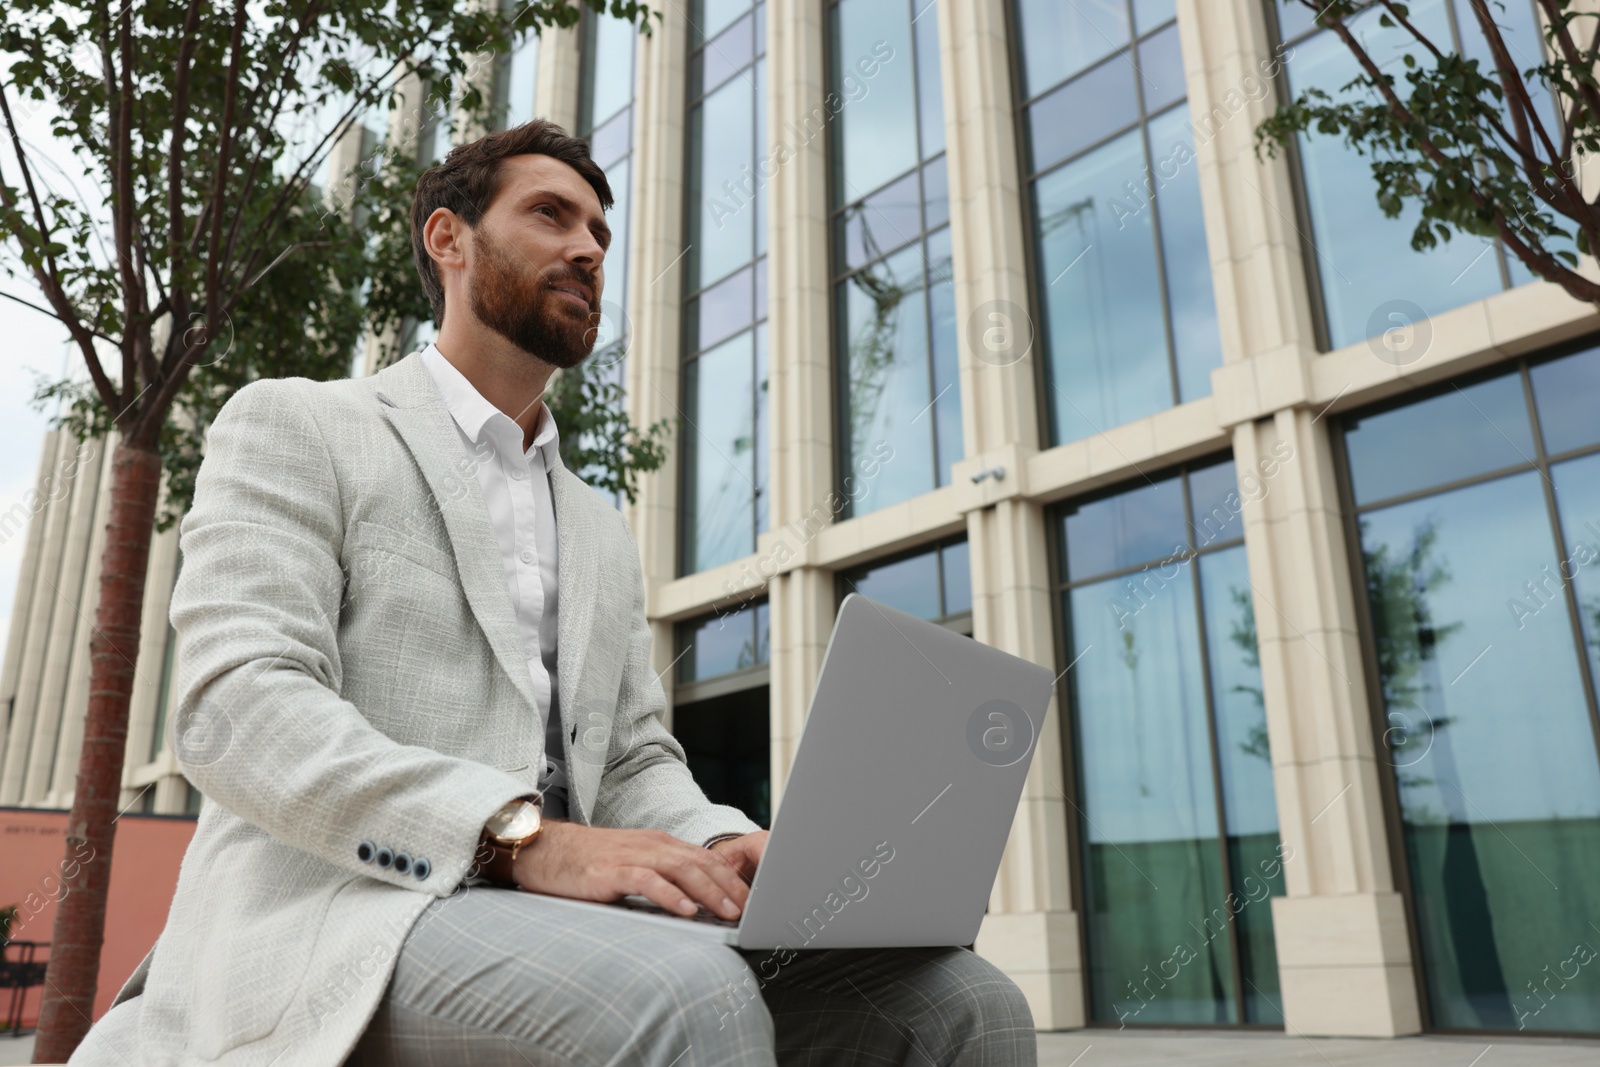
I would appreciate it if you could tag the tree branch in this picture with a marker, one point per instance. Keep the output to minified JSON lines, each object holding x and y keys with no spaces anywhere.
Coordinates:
{"x":49,"y":279}
{"x":177,"y":252}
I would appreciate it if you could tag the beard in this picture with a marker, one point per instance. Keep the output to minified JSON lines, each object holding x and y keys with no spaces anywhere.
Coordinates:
{"x":521,"y":305}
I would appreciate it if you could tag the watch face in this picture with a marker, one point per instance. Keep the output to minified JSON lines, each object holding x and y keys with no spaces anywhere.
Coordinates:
{"x":517,"y":821}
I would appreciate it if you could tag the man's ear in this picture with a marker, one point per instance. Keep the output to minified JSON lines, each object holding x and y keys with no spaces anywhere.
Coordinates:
{"x":446,"y":237}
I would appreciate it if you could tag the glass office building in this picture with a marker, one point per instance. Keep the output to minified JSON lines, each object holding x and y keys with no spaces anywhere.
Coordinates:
{"x":987,"y":309}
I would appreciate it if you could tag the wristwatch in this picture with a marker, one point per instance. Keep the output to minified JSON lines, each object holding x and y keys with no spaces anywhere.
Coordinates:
{"x":507,"y":833}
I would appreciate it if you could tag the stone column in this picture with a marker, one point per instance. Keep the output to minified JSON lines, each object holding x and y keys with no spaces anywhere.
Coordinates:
{"x":556,"y":82}
{"x":75,"y":705}
{"x":79,"y":467}
{"x":800,"y":373}
{"x":1031,"y":929}
{"x":655,"y":298}
{"x":154,"y":626}
{"x":22,"y":520}
{"x":1343,"y":952}
{"x":52,"y":515}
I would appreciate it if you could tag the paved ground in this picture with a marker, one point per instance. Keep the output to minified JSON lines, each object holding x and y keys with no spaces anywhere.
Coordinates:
{"x":1112,"y":1048}
{"x":1105,"y":1048}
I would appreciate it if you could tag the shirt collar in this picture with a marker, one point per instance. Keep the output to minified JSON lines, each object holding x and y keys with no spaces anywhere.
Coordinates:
{"x":472,"y":412}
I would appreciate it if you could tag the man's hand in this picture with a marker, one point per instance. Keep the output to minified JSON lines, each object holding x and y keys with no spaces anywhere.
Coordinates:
{"x":743,"y":852}
{"x":594,"y":863}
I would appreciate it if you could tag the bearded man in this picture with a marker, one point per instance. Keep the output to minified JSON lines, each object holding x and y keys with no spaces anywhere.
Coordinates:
{"x":414,"y":686}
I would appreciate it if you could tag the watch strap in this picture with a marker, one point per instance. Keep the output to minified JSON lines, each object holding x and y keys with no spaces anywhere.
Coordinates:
{"x":494,"y":859}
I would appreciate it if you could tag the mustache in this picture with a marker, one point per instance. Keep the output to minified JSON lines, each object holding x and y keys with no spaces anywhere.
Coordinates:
{"x":575,"y":275}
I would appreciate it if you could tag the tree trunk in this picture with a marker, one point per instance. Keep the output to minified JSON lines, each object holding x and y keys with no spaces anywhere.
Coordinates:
{"x":67,"y":1010}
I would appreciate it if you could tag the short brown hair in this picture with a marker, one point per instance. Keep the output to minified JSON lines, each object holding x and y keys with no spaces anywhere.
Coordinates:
{"x":467,"y":180}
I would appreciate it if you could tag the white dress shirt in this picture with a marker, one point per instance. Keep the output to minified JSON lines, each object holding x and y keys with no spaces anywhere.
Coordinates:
{"x":516,"y":491}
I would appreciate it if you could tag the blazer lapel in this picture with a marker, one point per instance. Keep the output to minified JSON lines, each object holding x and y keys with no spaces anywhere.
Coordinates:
{"x":409,"y":400}
{"x":577,"y":551}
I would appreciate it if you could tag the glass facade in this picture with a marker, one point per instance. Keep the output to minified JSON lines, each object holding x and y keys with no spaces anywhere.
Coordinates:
{"x":1122,"y":274}
{"x":1363,"y":259}
{"x":1178,"y":826}
{"x":724,"y":451}
{"x":1478,"y":559}
{"x":933,"y":583}
{"x":723,"y":716}
{"x":515,"y":77}
{"x":899,"y":404}
{"x":605,"y":120}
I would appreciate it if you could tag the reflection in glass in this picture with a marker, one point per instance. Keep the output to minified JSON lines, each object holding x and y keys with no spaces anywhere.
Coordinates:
{"x":1364,"y":257}
{"x":1061,"y":39}
{"x":1196,"y":338}
{"x":711,"y":17}
{"x":1161,"y":69}
{"x":1249,"y":802}
{"x":723,"y":455}
{"x":608,"y":68}
{"x":896,"y":338}
{"x":1492,"y":748}
{"x":727,"y":55}
{"x":933,"y":584}
{"x":910,"y":585}
{"x":1470,"y":430}
{"x":1108,"y":354}
{"x":1565,"y":391}
{"x":1215,"y":504}
{"x":721,"y":150}
{"x":1123,"y":271}
{"x":723,"y":643}
{"x":1577,"y":486}
{"x":876,"y":140}
{"x":1150,"y":812}
{"x":886,"y":381}
{"x":1165,"y":685}
{"x":882,"y":222}
{"x":514,"y":79}
{"x":1121,"y":531}
{"x":1082,"y":112}
{"x":717,"y":446}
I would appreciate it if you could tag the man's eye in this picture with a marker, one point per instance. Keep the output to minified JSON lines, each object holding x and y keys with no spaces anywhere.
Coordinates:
{"x":546,"y":208}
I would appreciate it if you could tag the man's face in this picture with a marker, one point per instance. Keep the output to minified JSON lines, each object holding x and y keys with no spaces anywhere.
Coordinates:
{"x":535,"y":273}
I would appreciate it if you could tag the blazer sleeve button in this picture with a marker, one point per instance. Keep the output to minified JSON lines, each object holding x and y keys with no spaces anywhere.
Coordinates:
{"x":365,"y":850}
{"x":385,"y":856}
{"x":422,"y":868}
{"x":402,"y":862}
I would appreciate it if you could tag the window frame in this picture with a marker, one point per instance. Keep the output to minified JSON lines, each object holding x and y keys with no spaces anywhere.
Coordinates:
{"x":1366,"y":629}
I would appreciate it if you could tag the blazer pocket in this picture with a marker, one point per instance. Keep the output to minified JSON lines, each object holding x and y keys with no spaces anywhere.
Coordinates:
{"x":371,"y":545}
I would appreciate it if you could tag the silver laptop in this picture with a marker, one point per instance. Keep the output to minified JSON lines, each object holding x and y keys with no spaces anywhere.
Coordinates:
{"x":901,"y":796}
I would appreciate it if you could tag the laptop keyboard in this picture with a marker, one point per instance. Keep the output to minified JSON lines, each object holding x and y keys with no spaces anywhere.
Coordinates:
{"x":703,"y":915}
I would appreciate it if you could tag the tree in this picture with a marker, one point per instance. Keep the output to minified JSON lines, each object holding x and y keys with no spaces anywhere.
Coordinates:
{"x":207,"y":258}
{"x":1481,"y":147}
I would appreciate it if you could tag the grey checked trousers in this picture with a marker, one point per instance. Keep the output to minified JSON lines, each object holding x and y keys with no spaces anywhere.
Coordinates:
{"x":500,"y":978}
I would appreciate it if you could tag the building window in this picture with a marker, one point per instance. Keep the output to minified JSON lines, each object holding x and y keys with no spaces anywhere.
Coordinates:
{"x":1123,"y":277}
{"x":721,"y":713}
{"x":724,"y":454}
{"x":433,"y":144}
{"x":1174,"y":779}
{"x":934,"y":584}
{"x":1479,"y":559}
{"x":1361,"y":262}
{"x":605,"y":120}
{"x":515,"y":76}
{"x":899,"y":404}
{"x":192,"y":802}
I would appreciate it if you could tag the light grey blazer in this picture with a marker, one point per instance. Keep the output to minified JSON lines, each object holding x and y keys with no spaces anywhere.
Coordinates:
{"x":350,"y":671}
